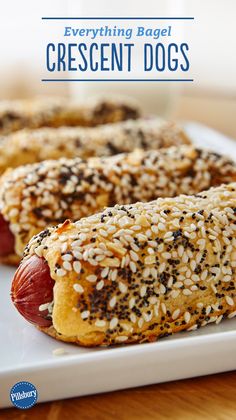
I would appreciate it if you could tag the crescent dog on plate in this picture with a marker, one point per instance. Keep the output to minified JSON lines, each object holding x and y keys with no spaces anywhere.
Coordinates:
{"x":55,"y":112}
{"x":30,"y":146}
{"x":33,"y":197}
{"x":133,"y":272}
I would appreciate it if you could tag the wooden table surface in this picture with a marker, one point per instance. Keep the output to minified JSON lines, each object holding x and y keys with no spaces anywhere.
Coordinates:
{"x":205,"y":398}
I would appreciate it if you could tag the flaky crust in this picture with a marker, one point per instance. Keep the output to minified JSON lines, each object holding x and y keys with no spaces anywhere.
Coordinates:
{"x":137,"y":272}
{"x":35,"y":196}
{"x":30,"y":146}
{"x":56,"y":112}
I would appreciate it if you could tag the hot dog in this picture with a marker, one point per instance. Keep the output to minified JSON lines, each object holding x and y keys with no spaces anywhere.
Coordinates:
{"x":33,"y":197}
{"x":7,"y":239}
{"x":134,"y":273}
{"x":30,"y":145}
{"x":56,"y":112}
{"x":32,"y":291}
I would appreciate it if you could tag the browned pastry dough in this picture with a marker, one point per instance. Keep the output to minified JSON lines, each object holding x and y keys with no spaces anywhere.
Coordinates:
{"x":137,"y":272}
{"x":33,"y":197}
{"x":30,"y":146}
{"x":55,"y":112}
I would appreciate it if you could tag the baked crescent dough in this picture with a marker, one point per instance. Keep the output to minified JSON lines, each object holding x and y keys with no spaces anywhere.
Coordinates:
{"x":30,"y":146}
{"x":33,"y":197}
{"x":55,"y":112}
{"x":137,"y":272}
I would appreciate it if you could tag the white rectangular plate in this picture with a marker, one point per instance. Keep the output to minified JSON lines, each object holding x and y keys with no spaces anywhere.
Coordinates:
{"x":26,"y":354}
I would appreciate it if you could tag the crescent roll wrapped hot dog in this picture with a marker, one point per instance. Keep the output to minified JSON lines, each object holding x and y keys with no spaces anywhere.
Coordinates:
{"x":133,"y":272}
{"x":33,"y":197}
{"x":30,"y":146}
{"x":53,"y":112}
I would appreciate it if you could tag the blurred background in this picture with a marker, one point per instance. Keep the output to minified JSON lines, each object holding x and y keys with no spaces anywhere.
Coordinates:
{"x":211,"y":99}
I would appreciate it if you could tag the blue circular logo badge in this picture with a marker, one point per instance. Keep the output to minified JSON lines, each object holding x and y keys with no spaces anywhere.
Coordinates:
{"x":23,"y":395}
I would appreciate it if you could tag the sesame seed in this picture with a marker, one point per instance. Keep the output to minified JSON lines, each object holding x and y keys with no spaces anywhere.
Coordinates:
{"x":150,"y":259}
{"x":178,"y":284}
{"x":100,"y":323}
{"x":63,"y":238}
{"x":213,"y":288}
{"x":91,"y":278}
{"x":208,"y":309}
{"x":112,"y":302}
{"x":147,"y":317}
{"x":193,"y":265}
{"x":176,"y":314}
{"x":77,"y":266}
{"x":187,"y":317}
{"x":85,"y":314}
{"x":43,"y":307}
{"x":153,"y":300}
{"x":163,"y":307}
{"x":82,"y":237}
{"x":58,"y":352}
{"x":67,"y":265}
{"x":74,"y":244}
{"x":134,"y":256}
{"x":187,"y":292}
{"x":175,"y":293}
{"x":105,"y":272}
{"x":146,"y":272}
{"x":103,"y":232}
{"x":166,"y":255}
{"x":131,"y":302}
{"x":180,"y":250}
{"x":114,"y":274}
{"x":67,"y":257}
{"x":100,"y":285}
{"x":140,"y":322}
{"x":61,"y":272}
{"x":219,"y":319}
{"x":78,"y":288}
{"x":156,"y":310}
{"x":204,"y":275}
{"x":113,"y":323}
{"x":133,"y":318}
{"x":143,"y":291}
{"x":133,"y":266}
{"x":39,"y":251}
{"x":121,"y":338}
{"x":161,"y":226}
{"x":229,"y":300}
{"x":162,"y":267}
{"x":77,"y":255}
{"x":193,"y":328}
{"x":122,"y":287}
{"x":162,"y":289}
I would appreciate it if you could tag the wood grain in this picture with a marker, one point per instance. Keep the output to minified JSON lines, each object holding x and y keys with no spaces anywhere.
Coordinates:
{"x":205,"y":398}
{"x":210,"y":398}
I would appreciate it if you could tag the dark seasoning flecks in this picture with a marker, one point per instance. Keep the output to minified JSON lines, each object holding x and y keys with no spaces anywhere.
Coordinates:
{"x":18,"y":114}
{"x":85,"y":142}
{"x":138,"y":265}
{"x":47,"y":193}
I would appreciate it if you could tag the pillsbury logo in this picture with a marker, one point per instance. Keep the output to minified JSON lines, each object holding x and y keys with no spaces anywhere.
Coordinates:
{"x":23,"y":395}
